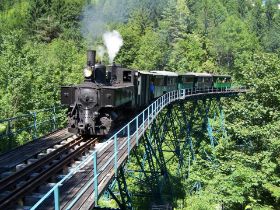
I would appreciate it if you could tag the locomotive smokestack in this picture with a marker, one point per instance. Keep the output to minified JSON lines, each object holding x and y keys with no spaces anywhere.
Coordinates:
{"x":91,"y":56}
{"x":89,"y":70}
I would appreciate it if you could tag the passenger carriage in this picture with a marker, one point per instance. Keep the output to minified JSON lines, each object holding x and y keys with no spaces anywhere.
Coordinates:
{"x":221,"y":81}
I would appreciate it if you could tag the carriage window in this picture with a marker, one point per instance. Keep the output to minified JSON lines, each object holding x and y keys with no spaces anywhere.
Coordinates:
{"x":127,"y":76}
{"x":170,"y":81}
{"x":200,"y":79}
{"x":159,"y":81}
{"x":207,"y":79}
{"x":187,"y":79}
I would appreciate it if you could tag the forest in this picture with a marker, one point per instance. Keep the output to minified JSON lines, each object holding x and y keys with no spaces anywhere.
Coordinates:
{"x":43,"y":45}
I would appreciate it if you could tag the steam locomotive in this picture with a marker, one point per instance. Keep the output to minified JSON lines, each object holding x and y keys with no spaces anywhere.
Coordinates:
{"x":109,"y":93}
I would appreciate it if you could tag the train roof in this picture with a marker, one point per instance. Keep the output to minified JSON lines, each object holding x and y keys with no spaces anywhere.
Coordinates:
{"x":223,"y":76}
{"x":186,"y":74}
{"x":174,"y":74}
{"x":204,"y":74}
{"x":145,"y":72}
{"x":165,"y":73}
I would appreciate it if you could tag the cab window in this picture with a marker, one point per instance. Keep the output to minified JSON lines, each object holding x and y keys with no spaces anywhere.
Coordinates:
{"x":127,"y":76}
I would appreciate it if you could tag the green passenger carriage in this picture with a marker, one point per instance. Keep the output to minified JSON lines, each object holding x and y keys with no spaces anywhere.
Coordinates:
{"x":221,"y":81}
{"x":169,"y":82}
{"x":186,"y":81}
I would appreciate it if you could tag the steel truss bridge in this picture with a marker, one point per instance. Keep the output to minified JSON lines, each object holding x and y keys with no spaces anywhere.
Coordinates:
{"x":143,"y":151}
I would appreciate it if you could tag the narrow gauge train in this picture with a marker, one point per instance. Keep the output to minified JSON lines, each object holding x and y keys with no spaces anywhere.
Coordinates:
{"x":107,"y":94}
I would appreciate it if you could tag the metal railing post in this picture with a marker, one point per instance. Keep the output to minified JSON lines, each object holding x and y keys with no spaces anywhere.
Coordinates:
{"x":137,"y":130}
{"x":128,"y":139}
{"x":95,"y":176}
{"x":116,"y":154}
{"x":157,"y":107}
{"x":153,"y":110}
{"x":56,"y":199}
{"x":143,"y":123}
{"x":169,"y":97}
{"x":148,"y":115}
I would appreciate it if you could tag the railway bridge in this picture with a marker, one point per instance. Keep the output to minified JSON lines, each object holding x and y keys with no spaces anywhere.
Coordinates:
{"x":143,"y":151}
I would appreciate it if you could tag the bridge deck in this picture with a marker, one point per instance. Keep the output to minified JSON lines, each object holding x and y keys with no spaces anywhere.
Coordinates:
{"x":78,"y":189}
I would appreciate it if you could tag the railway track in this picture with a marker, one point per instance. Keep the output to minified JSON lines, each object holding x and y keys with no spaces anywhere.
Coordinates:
{"x":73,"y":186}
{"x":19,"y":157}
{"x":24,"y":186}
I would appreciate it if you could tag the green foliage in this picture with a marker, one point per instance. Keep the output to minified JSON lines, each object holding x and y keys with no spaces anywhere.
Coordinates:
{"x":231,"y":38}
{"x":2,"y":128}
{"x":41,"y":48}
{"x":151,"y":54}
{"x":187,"y":54}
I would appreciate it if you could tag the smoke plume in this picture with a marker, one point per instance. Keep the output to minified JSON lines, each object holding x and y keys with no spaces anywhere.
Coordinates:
{"x":97,"y":16}
{"x":100,"y":52}
{"x":113,"y":42}
{"x":100,"y":14}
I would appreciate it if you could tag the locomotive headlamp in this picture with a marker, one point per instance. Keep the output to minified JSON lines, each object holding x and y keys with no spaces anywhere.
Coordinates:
{"x":87,"y":72}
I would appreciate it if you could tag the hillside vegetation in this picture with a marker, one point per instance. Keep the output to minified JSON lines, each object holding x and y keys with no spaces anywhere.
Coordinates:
{"x":42,"y":48}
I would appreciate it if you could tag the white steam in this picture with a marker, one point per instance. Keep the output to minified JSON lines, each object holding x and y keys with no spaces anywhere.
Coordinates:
{"x":99,"y":15}
{"x":113,"y":42}
{"x":100,"y":52}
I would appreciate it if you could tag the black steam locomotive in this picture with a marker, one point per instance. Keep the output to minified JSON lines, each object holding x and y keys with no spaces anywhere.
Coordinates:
{"x":104,"y":95}
{"x":108,"y":94}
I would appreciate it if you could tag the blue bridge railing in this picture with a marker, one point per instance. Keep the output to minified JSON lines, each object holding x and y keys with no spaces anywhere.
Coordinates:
{"x":135,"y":128}
{"x":19,"y":130}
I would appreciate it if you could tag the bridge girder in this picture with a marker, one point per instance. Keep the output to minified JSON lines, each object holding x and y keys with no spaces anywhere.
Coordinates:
{"x":170,"y":139}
